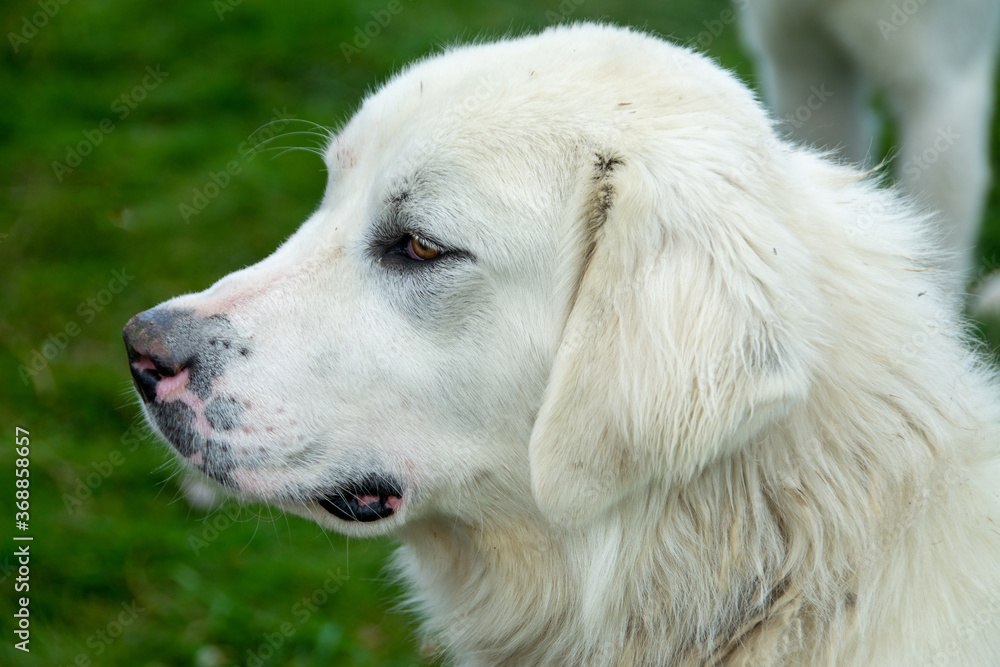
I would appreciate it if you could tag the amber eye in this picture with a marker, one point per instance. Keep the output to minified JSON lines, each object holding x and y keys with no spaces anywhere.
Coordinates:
{"x":421,"y":251}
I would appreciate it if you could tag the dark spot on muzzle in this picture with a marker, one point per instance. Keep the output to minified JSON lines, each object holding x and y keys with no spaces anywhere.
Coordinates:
{"x":175,"y":421}
{"x":223,"y":413}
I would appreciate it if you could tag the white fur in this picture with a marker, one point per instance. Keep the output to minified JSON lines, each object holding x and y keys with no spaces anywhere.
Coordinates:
{"x":935,"y":62}
{"x":691,"y":395}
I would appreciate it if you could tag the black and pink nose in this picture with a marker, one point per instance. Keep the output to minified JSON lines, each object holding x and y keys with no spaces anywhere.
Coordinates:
{"x":170,"y":350}
{"x":154,"y":353}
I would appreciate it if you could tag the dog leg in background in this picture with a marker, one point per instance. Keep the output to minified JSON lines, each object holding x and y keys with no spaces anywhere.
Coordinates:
{"x":944,"y":118}
{"x":936,"y":67}
{"x":811,"y":82}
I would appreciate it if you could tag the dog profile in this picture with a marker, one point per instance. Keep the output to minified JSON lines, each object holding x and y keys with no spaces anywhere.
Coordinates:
{"x":935,"y":64}
{"x":632,"y":380}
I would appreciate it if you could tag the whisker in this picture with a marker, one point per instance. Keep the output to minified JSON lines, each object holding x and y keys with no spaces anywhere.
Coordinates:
{"x":264,"y":143}
{"x":294,"y":148}
{"x":292,"y":133}
{"x":312,"y":149}
{"x":284,"y":121}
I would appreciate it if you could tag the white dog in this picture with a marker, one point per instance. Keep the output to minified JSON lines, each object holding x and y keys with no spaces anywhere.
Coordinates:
{"x":633,"y":381}
{"x":935,"y":62}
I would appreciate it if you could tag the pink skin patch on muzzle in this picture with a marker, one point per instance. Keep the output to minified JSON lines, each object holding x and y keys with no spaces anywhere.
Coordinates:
{"x":175,"y":388}
{"x":172,"y":388}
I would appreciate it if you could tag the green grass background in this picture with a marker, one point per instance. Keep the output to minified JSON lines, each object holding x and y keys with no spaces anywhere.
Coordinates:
{"x":133,"y":539}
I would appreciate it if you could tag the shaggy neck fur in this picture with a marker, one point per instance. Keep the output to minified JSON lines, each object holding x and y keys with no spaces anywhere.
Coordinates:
{"x":803,"y":536}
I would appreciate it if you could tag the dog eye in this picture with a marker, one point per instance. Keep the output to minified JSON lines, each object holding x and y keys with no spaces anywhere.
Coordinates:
{"x":421,"y":250}
{"x":405,"y":250}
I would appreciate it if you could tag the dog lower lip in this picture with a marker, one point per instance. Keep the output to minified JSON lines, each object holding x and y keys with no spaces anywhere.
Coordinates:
{"x":367,"y":500}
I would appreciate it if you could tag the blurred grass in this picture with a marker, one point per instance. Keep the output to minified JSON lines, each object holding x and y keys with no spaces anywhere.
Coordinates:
{"x":130,"y":541}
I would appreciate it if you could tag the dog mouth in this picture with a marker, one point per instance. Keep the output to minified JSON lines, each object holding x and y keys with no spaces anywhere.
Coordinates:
{"x":365,"y":500}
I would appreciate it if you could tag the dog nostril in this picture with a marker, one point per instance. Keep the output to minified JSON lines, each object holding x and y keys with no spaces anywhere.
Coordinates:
{"x":145,"y":378}
{"x":147,"y":374}
{"x":157,"y":367}
{"x":152,"y":358}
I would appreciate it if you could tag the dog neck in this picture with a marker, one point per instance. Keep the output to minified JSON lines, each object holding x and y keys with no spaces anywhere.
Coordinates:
{"x":766,"y":555}
{"x":709,"y":579}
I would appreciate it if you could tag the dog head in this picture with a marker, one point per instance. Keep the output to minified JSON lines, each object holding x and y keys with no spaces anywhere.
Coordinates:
{"x":544,"y":271}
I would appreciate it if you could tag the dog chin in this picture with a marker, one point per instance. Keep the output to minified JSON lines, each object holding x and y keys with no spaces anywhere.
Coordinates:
{"x":315,"y":511}
{"x":367,"y":504}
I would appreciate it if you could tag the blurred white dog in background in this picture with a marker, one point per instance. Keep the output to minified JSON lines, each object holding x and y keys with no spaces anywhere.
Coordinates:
{"x":934,"y":61}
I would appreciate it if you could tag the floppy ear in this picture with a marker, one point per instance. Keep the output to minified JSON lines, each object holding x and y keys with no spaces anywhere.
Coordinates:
{"x":676,"y":350}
